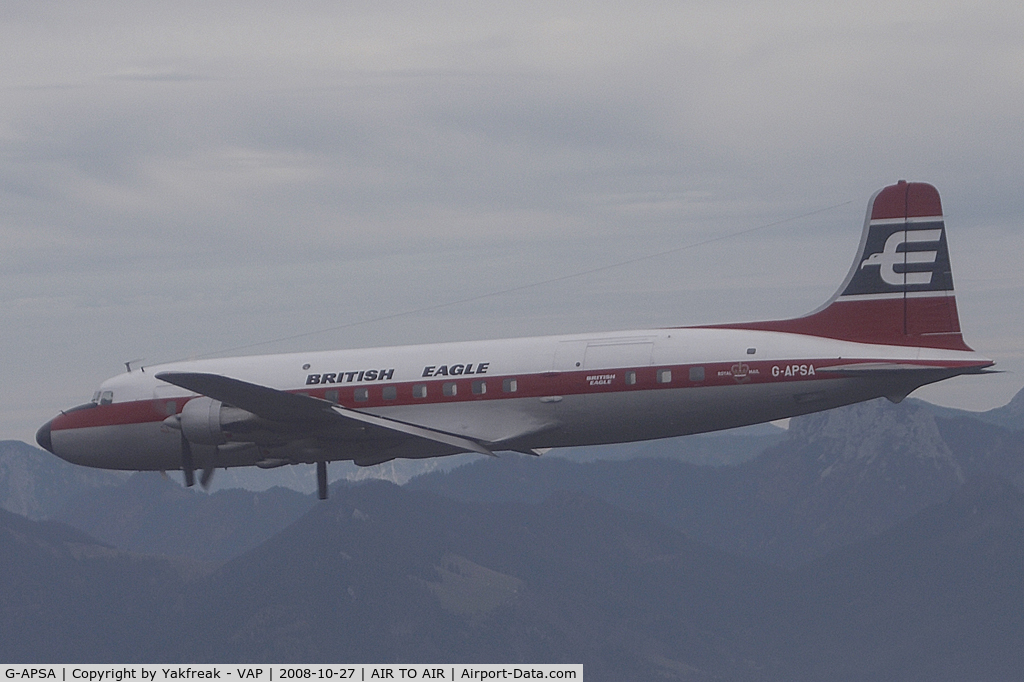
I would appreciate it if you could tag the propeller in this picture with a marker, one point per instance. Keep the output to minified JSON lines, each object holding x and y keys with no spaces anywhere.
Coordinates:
{"x":186,"y":462}
{"x":206,"y":477}
{"x":321,"y":480}
{"x":188,"y":466}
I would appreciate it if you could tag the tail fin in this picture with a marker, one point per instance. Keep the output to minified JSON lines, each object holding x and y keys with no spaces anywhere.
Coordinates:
{"x":900,"y":288}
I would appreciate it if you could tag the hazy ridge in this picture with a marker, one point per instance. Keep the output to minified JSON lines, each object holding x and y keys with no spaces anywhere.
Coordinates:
{"x":872,"y":542}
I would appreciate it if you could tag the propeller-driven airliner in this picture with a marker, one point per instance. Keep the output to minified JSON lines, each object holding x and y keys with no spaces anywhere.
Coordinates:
{"x":891,"y":328}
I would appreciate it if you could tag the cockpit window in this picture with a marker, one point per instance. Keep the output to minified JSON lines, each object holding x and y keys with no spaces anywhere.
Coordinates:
{"x":106,"y":397}
{"x":96,"y":397}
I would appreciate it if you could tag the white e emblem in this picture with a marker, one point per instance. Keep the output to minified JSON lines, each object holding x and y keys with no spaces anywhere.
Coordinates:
{"x":890,"y":257}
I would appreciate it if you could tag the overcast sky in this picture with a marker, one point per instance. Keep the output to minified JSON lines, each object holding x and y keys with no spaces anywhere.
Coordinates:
{"x":182,"y":179}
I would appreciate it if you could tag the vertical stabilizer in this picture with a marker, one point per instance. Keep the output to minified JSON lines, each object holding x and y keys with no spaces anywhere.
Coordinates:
{"x":899,"y":290}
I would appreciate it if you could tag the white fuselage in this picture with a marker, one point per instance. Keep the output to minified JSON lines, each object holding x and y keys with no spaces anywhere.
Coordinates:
{"x":512,"y":394}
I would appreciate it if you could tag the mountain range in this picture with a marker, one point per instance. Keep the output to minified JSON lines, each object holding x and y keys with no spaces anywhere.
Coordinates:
{"x":837,"y":477}
{"x":384,"y":574}
{"x":34,"y":483}
{"x":877,"y":541}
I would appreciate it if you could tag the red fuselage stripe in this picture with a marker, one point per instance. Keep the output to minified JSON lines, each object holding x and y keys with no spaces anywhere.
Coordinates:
{"x":564,"y":383}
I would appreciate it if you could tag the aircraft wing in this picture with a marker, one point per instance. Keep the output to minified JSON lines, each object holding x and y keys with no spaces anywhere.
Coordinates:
{"x":262,"y":401}
{"x":281,"y":406}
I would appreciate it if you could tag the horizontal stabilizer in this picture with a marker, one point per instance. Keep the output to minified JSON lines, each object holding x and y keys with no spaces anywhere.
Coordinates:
{"x":870,"y":368}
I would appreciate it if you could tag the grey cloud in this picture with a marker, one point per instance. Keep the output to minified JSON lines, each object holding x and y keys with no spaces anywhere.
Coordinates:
{"x":176,"y":179}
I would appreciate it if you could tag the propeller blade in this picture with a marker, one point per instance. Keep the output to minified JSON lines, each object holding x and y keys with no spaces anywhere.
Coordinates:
{"x":186,"y":462}
{"x":206,"y":477}
{"x":321,"y":480}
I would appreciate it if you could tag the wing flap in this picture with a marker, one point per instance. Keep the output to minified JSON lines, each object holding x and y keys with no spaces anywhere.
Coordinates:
{"x":412,"y":430}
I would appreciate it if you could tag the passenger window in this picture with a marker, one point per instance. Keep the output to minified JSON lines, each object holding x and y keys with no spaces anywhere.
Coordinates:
{"x":479,"y":387}
{"x":664,"y":376}
{"x":630,"y":378}
{"x":696,"y":374}
{"x":361,"y":395}
{"x":509,"y":385}
{"x":419,"y":391}
{"x":449,"y":388}
{"x":332,"y":396}
{"x":390,"y":392}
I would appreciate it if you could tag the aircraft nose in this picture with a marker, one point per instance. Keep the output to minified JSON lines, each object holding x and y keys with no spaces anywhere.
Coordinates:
{"x":43,"y":438}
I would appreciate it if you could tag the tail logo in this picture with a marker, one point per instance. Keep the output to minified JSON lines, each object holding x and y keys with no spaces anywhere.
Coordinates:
{"x":891,"y":256}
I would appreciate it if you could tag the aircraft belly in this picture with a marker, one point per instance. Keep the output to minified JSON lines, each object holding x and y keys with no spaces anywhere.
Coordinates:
{"x":130,"y":447}
{"x":645,"y":415}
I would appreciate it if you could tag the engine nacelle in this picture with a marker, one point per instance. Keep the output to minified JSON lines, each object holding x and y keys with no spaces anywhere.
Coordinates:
{"x":206,"y":421}
{"x":200,"y":421}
